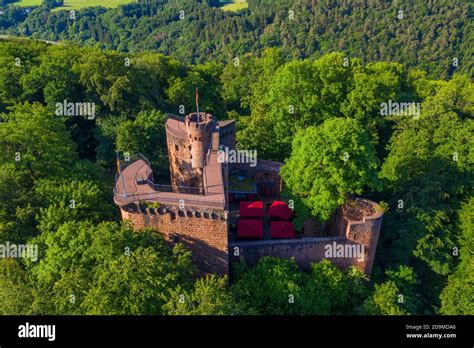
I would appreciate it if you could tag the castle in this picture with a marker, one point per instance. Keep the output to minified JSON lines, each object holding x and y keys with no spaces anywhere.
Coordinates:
{"x":200,"y":207}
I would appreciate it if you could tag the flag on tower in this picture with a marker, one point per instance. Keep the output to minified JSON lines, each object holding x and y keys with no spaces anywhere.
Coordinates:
{"x":118,"y":163}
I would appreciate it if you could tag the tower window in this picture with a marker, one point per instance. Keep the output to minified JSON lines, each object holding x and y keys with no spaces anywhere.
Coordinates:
{"x":176,"y":147}
{"x":355,"y":235}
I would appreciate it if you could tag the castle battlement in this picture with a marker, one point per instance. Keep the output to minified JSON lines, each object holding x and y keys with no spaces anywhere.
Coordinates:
{"x":357,"y":224}
{"x":194,"y":209}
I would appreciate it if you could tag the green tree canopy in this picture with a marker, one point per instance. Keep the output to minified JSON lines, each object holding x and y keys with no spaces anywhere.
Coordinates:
{"x":146,"y":135}
{"x":105,"y":269}
{"x":457,"y":297}
{"x":328,"y":163}
{"x":277,"y":286}
{"x":210,"y":296}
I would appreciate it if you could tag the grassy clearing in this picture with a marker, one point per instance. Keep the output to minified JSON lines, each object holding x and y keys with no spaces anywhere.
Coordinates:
{"x":231,"y":5}
{"x":27,"y":3}
{"x":235,"y":5}
{"x":77,"y":4}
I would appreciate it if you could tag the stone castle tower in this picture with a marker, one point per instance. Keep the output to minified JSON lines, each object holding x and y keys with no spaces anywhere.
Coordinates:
{"x":195,"y":209}
{"x":199,"y":127}
{"x":189,"y":146}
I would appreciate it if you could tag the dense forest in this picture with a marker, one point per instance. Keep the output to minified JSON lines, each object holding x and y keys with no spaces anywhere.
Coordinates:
{"x":435,"y":36}
{"x":57,"y":177}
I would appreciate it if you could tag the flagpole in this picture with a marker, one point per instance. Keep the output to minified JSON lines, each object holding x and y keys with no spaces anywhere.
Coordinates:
{"x":197,"y":104}
{"x":121,"y":176}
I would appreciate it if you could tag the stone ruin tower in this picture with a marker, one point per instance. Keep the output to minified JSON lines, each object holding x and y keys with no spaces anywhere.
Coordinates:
{"x":194,"y":210}
{"x":188,"y":149}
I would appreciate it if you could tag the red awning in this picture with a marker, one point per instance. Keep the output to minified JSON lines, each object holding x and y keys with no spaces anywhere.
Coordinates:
{"x":250,"y":229}
{"x":251,"y":209}
{"x":280,"y":210}
{"x":281,"y":229}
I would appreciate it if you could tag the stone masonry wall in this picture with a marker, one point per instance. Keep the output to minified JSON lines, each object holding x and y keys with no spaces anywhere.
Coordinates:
{"x":202,"y":232}
{"x":364,"y":231}
{"x":367,"y":233}
{"x":182,"y":173}
{"x":205,"y":233}
{"x":305,"y":251}
{"x":312,"y":249}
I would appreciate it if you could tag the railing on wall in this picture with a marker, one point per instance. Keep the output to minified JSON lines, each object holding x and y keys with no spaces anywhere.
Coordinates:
{"x":189,"y":190}
{"x":157,"y":188}
{"x":131,"y":160}
{"x":176,"y":200}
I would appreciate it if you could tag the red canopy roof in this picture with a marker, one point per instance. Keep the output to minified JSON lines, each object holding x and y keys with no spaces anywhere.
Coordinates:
{"x":280,"y":210}
{"x":250,"y":229}
{"x":282,"y":229}
{"x":251,"y":209}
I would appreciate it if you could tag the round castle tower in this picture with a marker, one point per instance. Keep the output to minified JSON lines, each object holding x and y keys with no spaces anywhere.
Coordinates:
{"x":199,"y":129}
{"x":361,"y":220}
{"x":188,"y":142}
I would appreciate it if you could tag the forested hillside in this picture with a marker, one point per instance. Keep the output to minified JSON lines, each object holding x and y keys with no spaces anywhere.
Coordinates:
{"x":436,"y":36}
{"x":57,"y":179}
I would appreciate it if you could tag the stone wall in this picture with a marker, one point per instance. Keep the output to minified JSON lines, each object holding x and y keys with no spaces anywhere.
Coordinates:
{"x":227,"y":136}
{"x":365,"y":230}
{"x":305,"y":251}
{"x":346,"y":231}
{"x":204,"y":232}
{"x":367,"y":233}
{"x":182,"y":173}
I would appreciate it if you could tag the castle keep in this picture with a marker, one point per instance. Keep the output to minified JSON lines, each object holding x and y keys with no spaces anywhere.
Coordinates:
{"x":200,"y":207}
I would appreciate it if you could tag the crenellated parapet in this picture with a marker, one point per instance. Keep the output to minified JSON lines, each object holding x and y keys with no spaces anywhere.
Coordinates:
{"x":201,"y":230}
{"x":199,"y":128}
{"x":193,"y":210}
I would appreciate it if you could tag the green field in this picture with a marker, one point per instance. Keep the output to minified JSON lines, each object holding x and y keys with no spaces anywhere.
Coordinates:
{"x":27,"y":3}
{"x":77,"y":4}
{"x":235,"y":5}
{"x":231,"y":5}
